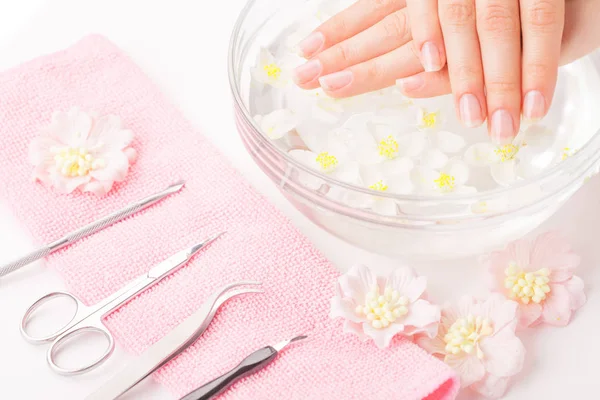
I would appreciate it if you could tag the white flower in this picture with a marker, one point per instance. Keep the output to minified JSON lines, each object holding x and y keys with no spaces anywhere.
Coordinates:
{"x":433,"y":113}
{"x":80,"y":151}
{"x":337,"y":166}
{"x":270,"y":71}
{"x":392,"y":144}
{"x":277,"y":123}
{"x":451,"y":178}
{"x":380,"y":308}
{"x":393,"y":177}
{"x":528,"y":154}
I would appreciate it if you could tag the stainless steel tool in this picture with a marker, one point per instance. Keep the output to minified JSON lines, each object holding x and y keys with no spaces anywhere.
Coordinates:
{"x":89,"y":229}
{"x":250,"y":365}
{"x":89,"y":319}
{"x":170,"y":346}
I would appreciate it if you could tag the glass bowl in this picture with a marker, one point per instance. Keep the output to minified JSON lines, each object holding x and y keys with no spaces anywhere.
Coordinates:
{"x":429,"y":228}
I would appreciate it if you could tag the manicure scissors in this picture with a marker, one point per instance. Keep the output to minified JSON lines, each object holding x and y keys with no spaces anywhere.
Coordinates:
{"x":89,"y":318}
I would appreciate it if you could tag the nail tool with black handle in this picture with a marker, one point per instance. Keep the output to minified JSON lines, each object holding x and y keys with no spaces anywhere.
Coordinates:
{"x":251,"y":364}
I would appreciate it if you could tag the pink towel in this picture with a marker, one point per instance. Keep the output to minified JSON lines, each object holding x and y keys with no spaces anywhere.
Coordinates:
{"x":261,"y":244}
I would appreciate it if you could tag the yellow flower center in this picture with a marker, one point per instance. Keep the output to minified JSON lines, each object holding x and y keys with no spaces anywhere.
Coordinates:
{"x":383,"y":309}
{"x":326,"y":161}
{"x":272,"y":70}
{"x":465,"y":334}
{"x":507,"y":152}
{"x":388,"y":148}
{"x":379,"y":186}
{"x":445,"y":182}
{"x":527,"y":287}
{"x":72,"y":162}
{"x":567,"y":152}
{"x":429,"y":120}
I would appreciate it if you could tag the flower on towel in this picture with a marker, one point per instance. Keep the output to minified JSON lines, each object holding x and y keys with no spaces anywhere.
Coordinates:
{"x":477,"y":339}
{"x":381,"y":308}
{"x":539,"y":276}
{"x":82,"y":151}
{"x":277,"y":123}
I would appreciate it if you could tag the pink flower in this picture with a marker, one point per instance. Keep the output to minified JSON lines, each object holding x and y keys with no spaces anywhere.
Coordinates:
{"x":381,"y":308}
{"x":81,"y":151}
{"x":539,"y":276}
{"x":478,"y":340}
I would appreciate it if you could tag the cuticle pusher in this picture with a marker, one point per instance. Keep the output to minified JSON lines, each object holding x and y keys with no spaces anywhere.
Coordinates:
{"x":90,"y":229}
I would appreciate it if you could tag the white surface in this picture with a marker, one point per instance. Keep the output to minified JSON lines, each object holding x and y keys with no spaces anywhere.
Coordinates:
{"x":182,"y":45}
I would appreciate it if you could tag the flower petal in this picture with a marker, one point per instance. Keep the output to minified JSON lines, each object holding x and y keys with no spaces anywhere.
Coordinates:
{"x":529,"y":314}
{"x":411,"y":144}
{"x":504,"y":353}
{"x":421,"y":315}
{"x":115,"y":169}
{"x":400,"y":184}
{"x":433,"y":345}
{"x":504,"y":173}
{"x":491,"y":387}
{"x":397,"y":166}
{"x":80,"y":125}
{"x":501,"y":311}
{"x":108,"y":134}
{"x":382,"y":337}
{"x":434,"y":159}
{"x":423,"y":179}
{"x":469,"y":369}
{"x":575,"y":287}
{"x":459,"y":170}
{"x":344,"y":308}
{"x":550,"y":250}
{"x":557,"y":307}
{"x":481,"y":154}
{"x":356,"y":329}
{"x":98,"y":188}
{"x":519,"y":252}
{"x":347,"y":172}
{"x":278,"y":123}
{"x":40,"y":150}
{"x":68,"y":185}
{"x":449,"y":142}
{"x":405,"y":281}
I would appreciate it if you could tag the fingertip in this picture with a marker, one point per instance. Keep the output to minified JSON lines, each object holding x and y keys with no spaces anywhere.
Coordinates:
{"x":311,"y":45}
{"x":534,"y":106}
{"x":431,"y":57}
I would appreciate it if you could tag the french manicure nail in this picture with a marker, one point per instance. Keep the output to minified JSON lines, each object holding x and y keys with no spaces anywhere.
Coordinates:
{"x":470,"y":111}
{"x":534,"y":106}
{"x":336,"y":81}
{"x":411,"y":83}
{"x":307,"y":72}
{"x":503,"y":127}
{"x":430,"y":57}
{"x":311,"y":44}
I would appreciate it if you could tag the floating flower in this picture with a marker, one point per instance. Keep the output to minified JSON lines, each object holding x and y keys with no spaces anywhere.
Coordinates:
{"x":539,"y":276}
{"x":383,"y":308}
{"x":277,"y":123}
{"x":478,"y":340}
{"x":451,"y":178}
{"x":392,"y":177}
{"x":81,"y":151}
{"x":276,"y":73}
{"x":335,"y":165}
{"x":393,"y":145}
{"x":528,"y":154}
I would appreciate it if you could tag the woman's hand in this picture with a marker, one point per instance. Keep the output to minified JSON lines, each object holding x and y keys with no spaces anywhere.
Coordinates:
{"x":498,"y":57}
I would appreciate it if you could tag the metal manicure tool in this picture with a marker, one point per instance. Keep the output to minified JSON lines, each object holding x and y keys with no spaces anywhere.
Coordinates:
{"x":89,"y":229}
{"x":170,"y":346}
{"x":89,"y":319}
{"x":250,"y":365}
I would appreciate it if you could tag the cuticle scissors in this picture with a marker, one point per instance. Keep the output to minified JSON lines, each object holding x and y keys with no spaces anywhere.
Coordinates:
{"x":89,"y":318}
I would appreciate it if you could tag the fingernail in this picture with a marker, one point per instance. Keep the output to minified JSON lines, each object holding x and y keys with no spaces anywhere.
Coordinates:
{"x":411,"y":84}
{"x":503,"y":127}
{"x":470,"y":111}
{"x":307,"y":72}
{"x":534,"y":106}
{"x":336,"y":80}
{"x":430,"y":57}
{"x":311,"y":44}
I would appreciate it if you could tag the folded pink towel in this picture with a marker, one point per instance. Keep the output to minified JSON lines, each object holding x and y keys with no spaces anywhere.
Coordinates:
{"x":261,"y":244}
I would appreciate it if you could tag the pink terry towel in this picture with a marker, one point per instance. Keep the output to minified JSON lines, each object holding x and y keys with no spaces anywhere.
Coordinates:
{"x":261,"y":244}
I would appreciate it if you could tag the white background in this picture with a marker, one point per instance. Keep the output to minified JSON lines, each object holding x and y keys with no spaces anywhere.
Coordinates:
{"x":182,"y":45}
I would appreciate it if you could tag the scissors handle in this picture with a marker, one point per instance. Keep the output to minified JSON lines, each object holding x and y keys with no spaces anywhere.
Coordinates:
{"x":71,"y":335}
{"x":80,"y":309}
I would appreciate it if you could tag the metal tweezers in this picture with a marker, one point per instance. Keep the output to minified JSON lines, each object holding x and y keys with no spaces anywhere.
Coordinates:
{"x":170,"y":346}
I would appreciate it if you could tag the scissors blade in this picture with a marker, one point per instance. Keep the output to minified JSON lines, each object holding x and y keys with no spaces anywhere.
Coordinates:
{"x":177,"y":260}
